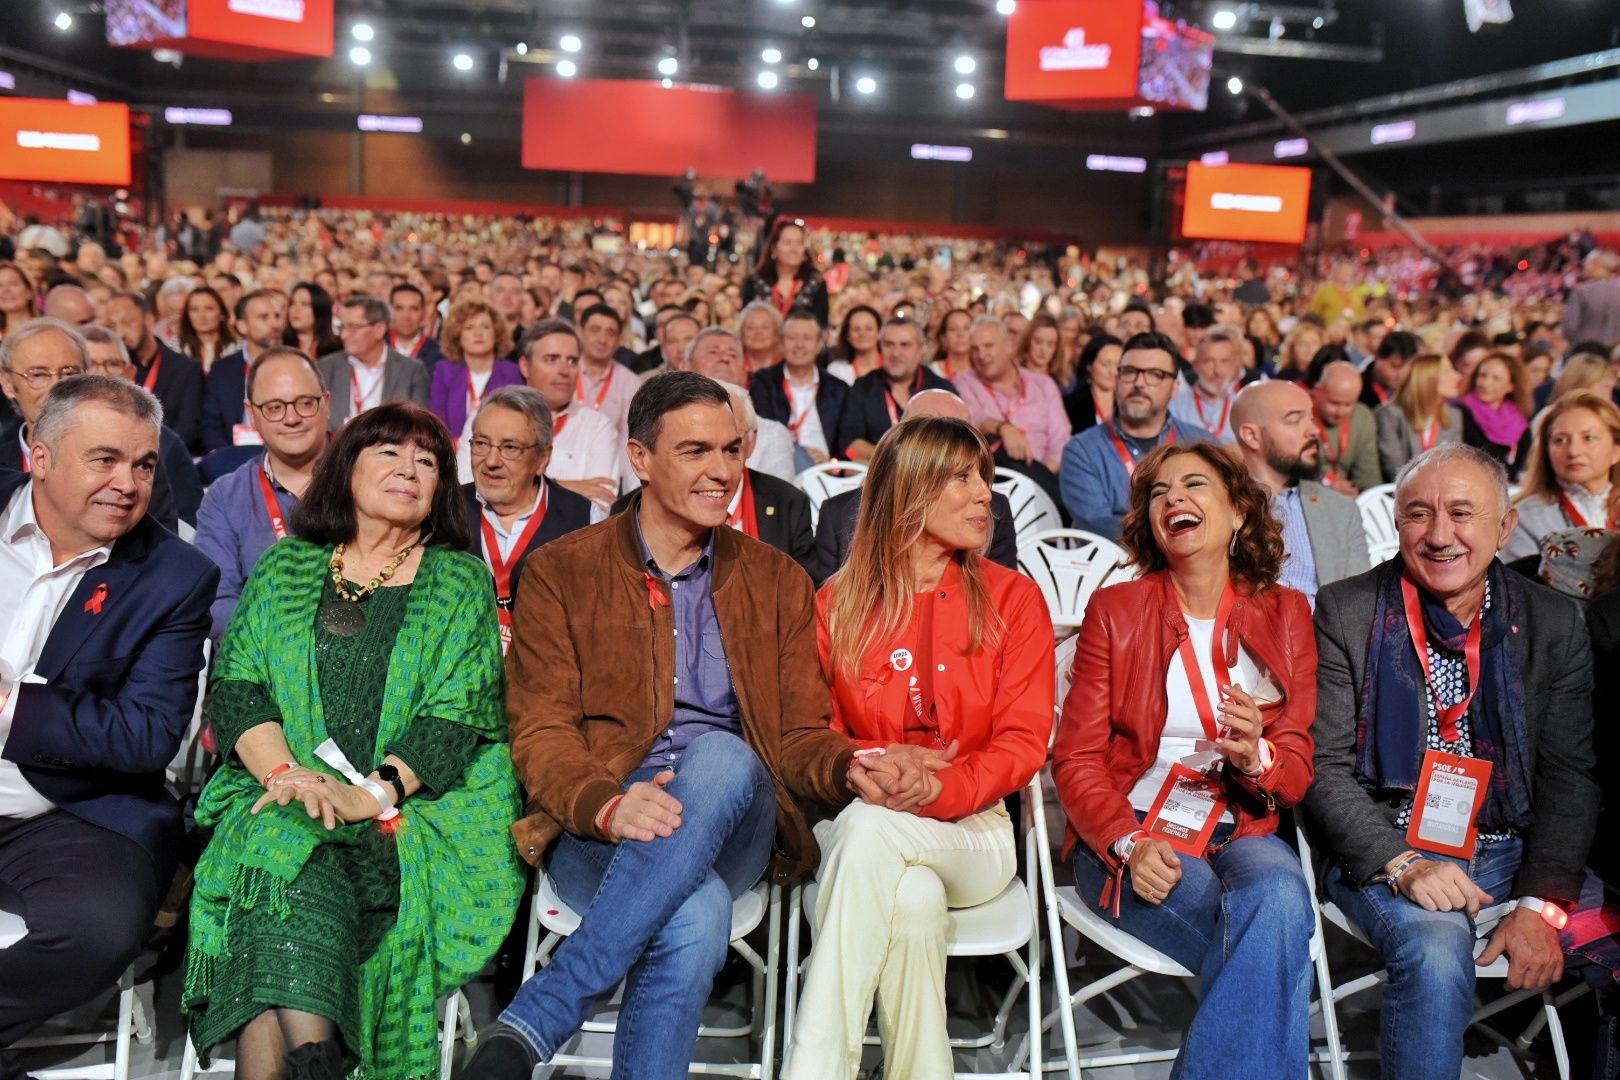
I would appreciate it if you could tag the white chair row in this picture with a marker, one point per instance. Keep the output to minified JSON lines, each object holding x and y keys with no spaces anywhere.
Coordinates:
{"x":132,"y":1025}
{"x":1033,"y":510}
{"x":1069,"y":565}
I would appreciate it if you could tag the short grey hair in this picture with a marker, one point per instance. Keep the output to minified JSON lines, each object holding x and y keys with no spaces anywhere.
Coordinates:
{"x":706,"y":333}
{"x":101,"y":335}
{"x":990,"y":322}
{"x":1226,"y":332}
{"x":66,"y":397}
{"x":44,"y":324}
{"x":914,"y":325}
{"x":757,"y":307}
{"x":175,"y":286}
{"x":526,"y":401}
{"x":377,"y":311}
{"x":742,"y":406}
{"x":1448,"y":454}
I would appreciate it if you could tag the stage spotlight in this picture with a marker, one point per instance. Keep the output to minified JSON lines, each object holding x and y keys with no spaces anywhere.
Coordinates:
{"x":866,"y":85}
{"x":360,"y":56}
{"x":768,"y":80}
{"x":966,"y":65}
{"x":566,"y":69}
{"x":771,"y":56}
{"x":522,"y":48}
{"x":362,"y":31}
{"x":1234,"y":85}
{"x":1006,"y":7}
{"x":666,"y":83}
{"x":64,"y":21}
{"x":808,"y":22}
{"x":462,"y":61}
{"x":466,"y":138}
{"x":668,"y":66}
{"x":813,"y":64}
{"x":1224,"y":20}
{"x":964,"y":91}
{"x":570,"y":43}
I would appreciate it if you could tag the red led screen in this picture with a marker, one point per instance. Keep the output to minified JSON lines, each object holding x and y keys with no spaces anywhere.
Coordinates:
{"x":44,"y":139}
{"x":224,"y":29}
{"x":616,"y":126}
{"x":1264,"y":203}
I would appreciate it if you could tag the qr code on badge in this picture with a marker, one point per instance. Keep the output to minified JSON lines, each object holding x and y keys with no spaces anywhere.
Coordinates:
{"x":1433,"y":802}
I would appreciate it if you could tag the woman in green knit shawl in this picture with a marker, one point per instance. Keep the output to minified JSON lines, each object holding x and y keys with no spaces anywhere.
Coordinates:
{"x":359,"y":865}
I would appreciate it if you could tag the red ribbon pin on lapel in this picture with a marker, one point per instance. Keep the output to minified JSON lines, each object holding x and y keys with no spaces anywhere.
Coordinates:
{"x":655,"y":595}
{"x":98,"y":599}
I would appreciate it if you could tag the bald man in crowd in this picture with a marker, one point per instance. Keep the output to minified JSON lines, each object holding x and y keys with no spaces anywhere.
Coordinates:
{"x":71,"y":304}
{"x":835,"y":524}
{"x":1275,"y":430}
{"x":1349,"y":462}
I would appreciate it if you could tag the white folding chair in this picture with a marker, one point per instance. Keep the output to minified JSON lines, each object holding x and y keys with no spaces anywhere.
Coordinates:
{"x":824,"y":480}
{"x":762,"y":902}
{"x":1068,"y":565}
{"x":1033,"y":510}
{"x":1377,"y":505}
{"x":1484,"y":925}
{"x":1005,"y":926}
{"x":189,"y":769}
{"x":457,"y":1024}
{"x":132,"y":1023}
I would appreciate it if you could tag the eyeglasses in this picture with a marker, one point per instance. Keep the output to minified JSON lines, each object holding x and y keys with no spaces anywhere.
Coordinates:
{"x":511,"y":451}
{"x":115,"y":368}
{"x":1150,"y":376}
{"x":306,"y":405}
{"x":41,"y":378}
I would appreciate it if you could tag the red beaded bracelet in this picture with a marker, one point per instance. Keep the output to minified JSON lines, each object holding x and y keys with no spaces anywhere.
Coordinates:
{"x":278,"y":770}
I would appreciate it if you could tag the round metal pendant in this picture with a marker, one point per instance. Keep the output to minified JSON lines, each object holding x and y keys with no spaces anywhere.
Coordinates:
{"x":342,"y":617}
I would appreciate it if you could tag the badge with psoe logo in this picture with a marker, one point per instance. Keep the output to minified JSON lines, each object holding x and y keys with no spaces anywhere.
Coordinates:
{"x":900,"y":659}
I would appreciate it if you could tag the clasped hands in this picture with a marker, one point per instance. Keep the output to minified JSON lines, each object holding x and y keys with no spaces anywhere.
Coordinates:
{"x":1535,"y":957}
{"x":901,"y":777}
{"x":325,"y":798}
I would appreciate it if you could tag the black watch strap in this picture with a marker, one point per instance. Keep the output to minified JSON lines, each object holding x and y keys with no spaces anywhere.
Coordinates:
{"x":390,"y":775}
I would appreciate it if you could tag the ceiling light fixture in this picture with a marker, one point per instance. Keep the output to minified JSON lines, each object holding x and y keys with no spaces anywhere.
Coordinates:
{"x":1006,"y":7}
{"x":522,"y":48}
{"x":1234,"y":85}
{"x":964,"y":91}
{"x":966,"y":65}
{"x":866,"y":85}
{"x":771,"y":56}
{"x":567,"y":69}
{"x":768,"y":80}
{"x":360,"y":56}
{"x":808,"y":22}
{"x":462,"y":61}
{"x":813,"y":64}
{"x":64,"y":21}
{"x":1224,"y":20}
{"x":668,"y":66}
{"x":666,"y":83}
{"x":570,"y":43}
{"x":362,"y":31}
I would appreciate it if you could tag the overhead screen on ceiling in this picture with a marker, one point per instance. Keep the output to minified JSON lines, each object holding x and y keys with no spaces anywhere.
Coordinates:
{"x":224,"y":29}
{"x":621,"y":126}
{"x":1262,"y":203}
{"x":43,"y":139}
{"x":1105,"y":54}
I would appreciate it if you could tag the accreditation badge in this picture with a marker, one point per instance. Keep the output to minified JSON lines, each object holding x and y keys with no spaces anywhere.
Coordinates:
{"x":1187,"y":810}
{"x":1445,"y":811}
{"x":505,"y":616}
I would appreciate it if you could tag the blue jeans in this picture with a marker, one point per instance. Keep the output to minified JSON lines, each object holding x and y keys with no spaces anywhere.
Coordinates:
{"x":1429,"y":997}
{"x":656,"y":915}
{"x":1241,"y":919}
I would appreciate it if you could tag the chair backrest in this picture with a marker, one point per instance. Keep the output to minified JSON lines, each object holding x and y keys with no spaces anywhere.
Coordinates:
{"x":1065,"y":667}
{"x":1068,"y":565}
{"x":1377,"y":505}
{"x":824,"y":480}
{"x":1032,"y":507}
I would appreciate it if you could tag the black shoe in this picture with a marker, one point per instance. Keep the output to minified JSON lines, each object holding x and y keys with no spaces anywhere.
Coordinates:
{"x":316,"y":1061}
{"x":502,"y":1054}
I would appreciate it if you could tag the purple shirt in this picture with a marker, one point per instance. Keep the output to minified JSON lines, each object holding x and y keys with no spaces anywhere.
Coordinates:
{"x":448,"y":397}
{"x":233,"y":529}
{"x":704,"y":698}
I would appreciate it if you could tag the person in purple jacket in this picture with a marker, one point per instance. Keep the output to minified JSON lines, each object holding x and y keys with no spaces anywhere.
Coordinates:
{"x":475,"y":336}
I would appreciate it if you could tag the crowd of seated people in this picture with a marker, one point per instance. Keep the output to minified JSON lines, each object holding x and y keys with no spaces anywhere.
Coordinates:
{"x":497,"y":544}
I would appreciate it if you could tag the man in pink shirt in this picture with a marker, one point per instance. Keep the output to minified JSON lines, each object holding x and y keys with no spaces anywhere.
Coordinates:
{"x":1020,"y":411}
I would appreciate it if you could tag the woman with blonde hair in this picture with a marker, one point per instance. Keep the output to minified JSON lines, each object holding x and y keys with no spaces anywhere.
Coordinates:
{"x":1585,"y":371}
{"x":941,"y":670}
{"x":1574,"y":464}
{"x":1040,"y":348}
{"x":1297,"y":349}
{"x":1420,"y":416}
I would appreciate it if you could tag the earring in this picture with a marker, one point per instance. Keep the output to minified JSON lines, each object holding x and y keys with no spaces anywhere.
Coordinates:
{"x":1231,"y":547}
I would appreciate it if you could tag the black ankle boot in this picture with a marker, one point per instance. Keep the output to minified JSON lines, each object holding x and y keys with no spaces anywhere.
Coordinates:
{"x":502,"y":1054}
{"x":316,"y":1061}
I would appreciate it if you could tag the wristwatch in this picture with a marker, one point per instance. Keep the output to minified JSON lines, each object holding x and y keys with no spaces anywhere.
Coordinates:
{"x":1551,"y":914}
{"x":390,"y":775}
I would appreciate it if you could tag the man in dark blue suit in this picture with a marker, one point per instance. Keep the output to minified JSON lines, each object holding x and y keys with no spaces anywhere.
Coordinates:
{"x":260,"y":321}
{"x":107,"y":614}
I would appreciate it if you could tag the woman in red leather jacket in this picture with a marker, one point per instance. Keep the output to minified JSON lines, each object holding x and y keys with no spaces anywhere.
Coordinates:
{"x":1173,"y":759}
{"x":941,"y":669}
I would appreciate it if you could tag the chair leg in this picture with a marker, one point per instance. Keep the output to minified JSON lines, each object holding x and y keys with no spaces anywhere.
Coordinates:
{"x":1555,"y":1032}
{"x":1330,"y":1015}
{"x":126,"y":1025}
{"x":773,"y":980}
{"x":791,"y":971}
{"x":188,"y":1061}
{"x":447,"y":1036}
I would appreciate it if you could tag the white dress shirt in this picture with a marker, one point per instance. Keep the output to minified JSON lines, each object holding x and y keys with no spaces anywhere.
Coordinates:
{"x":504,"y":537}
{"x":370,"y":383}
{"x":802,"y":403}
{"x":35,"y":592}
{"x":773,"y":453}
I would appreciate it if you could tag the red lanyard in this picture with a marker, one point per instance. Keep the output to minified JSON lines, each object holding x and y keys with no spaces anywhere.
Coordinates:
{"x":414,"y":349}
{"x":947,"y":369}
{"x":562,"y":422}
{"x":358,"y":405}
{"x":1217,"y":661}
{"x":503,"y":567}
{"x":1448,"y":714}
{"x":152,"y":372}
{"x":1578,"y":519}
{"x":1344,"y":447}
{"x":1009,"y":406}
{"x":278,"y":522}
{"x":1379,"y":392}
{"x":1096,"y":410}
{"x":1124,"y":452}
{"x":796,"y":421}
{"x":1429,"y":435}
{"x":745,"y":518}
{"x":602,"y":391}
{"x":785,"y":305}
{"x":894,"y":407}
{"x":1226,"y":410}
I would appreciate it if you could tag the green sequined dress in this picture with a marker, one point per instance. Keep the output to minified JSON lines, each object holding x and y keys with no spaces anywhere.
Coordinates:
{"x":345,"y":898}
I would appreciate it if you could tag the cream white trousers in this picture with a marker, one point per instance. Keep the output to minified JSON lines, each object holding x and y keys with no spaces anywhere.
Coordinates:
{"x":886,"y":881}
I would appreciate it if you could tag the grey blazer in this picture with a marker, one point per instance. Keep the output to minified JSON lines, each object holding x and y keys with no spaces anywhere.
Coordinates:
{"x":1333,"y":522}
{"x":1398,"y":443}
{"x":1356,"y":823}
{"x":404,"y":379}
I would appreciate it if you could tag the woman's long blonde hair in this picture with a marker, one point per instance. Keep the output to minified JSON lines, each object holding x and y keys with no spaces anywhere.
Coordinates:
{"x":873,"y":595}
{"x":1419,"y":395}
{"x":1539,"y":478}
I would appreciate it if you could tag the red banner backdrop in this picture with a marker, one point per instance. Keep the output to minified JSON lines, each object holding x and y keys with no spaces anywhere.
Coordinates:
{"x":1105,"y":54}
{"x":248,"y":30}
{"x":54,"y":141}
{"x":622,"y":126}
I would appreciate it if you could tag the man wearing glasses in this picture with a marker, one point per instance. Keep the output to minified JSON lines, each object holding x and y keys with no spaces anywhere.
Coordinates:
{"x":42,"y":352}
{"x":1098,"y":462}
{"x":513,"y":507}
{"x":366,"y":372}
{"x":248,"y":509}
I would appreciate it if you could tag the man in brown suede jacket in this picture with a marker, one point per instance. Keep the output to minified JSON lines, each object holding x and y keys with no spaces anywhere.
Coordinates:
{"x":668,"y":715}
